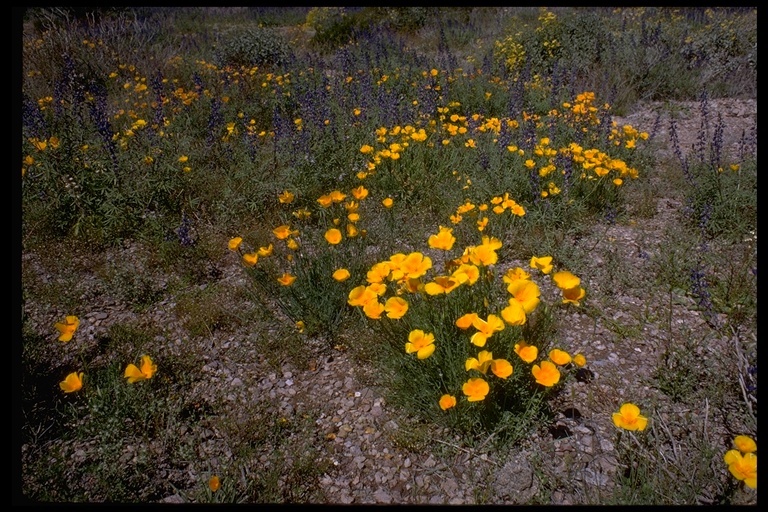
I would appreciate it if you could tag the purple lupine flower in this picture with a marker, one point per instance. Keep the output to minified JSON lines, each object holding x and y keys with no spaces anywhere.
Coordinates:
{"x":156,"y":82}
{"x":64,"y":84}
{"x":515,"y":101}
{"x":703,"y":136}
{"x":679,"y":153}
{"x":655,"y":127}
{"x":716,"y":147}
{"x":184,"y":231}
{"x":700,"y":290}
{"x":100,"y":117}
{"x":215,"y":120}
{"x":32,"y":120}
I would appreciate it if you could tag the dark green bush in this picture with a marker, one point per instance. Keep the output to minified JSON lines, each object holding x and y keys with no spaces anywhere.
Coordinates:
{"x":257,"y":46}
{"x":333,"y":26}
{"x":406,"y":18}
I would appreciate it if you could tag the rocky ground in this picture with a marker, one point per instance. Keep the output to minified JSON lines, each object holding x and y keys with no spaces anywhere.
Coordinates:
{"x":362,"y":437}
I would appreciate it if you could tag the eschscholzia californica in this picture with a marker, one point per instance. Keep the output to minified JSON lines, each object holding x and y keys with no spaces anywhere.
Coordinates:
{"x":441,"y":284}
{"x":286,"y":279}
{"x":543,"y":263}
{"x":415,"y":265}
{"x":527,"y":353}
{"x":396,"y":307}
{"x":387,"y":202}
{"x":485,"y":328}
{"x":360,"y":192}
{"x":743,"y":467}
{"x":250,"y":259}
{"x":214,"y":483}
{"x":629,"y":417}
{"x":292,"y":244}
{"x":745,"y":444}
{"x":465,"y":321}
{"x":481,"y":363}
{"x":234,"y":243}
{"x":444,"y":239}
{"x":559,"y":357}
{"x":360,"y":296}
{"x":73,"y":382}
{"x":325,"y":200}
{"x":742,"y":462}
{"x":333,"y":236}
{"x":476,"y":389}
{"x":514,"y":275}
{"x":265,"y":251}
{"x":373,"y":309}
{"x":501,"y":368}
{"x":67,"y":328}
{"x":282,"y":232}
{"x":286,"y":197}
{"x":378,"y":272}
{"x":565,"y":280}
{"x":466,"y":273}
{"x":420,"y":342}
{"x":482,"y":255}
{"x":579,"y":360}
{"x":134,"y":373}
{"x":514,"y":314}
{"x":447,"y":401}
{"x":341,"y":274}
{"x":378,"y":288}
{"x":547,"y":374}
{"x":573,"y":295}
{"x":526,"y":293}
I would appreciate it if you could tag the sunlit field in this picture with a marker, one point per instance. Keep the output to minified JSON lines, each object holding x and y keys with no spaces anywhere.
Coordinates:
{"x":452,"y":198}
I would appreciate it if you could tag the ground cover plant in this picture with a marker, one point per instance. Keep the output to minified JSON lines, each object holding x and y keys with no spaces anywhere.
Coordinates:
{"x":452,"y":201}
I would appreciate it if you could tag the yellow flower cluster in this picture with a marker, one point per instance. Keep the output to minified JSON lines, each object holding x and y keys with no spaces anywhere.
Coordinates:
{"x":596,"y":164}
{"x":582,"y":112}
{"x":393,"y":142}
{"x":627,"y":136}
{"x":742,"y":461}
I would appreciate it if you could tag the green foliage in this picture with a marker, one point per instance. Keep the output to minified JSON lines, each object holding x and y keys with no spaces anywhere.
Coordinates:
{"x":514,"y":403}
{"x":670,"y":463}
{"x":256,"y":46}
{"x":677,"y":375}
{"x":406,"y":18}
{"x":722,"y":202}
{"x":332,"y":25}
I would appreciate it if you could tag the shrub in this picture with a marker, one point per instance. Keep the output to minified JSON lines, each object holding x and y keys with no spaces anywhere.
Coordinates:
{"x":257,"y":46}
{"x":332,"y":25}
{"x":406,"y":18}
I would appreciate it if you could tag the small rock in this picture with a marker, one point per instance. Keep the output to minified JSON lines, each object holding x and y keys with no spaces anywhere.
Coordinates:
{"x":382,"y":496}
